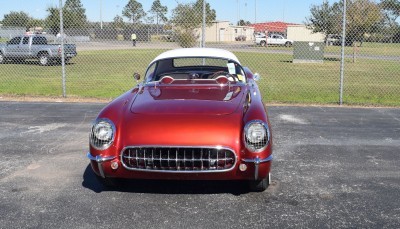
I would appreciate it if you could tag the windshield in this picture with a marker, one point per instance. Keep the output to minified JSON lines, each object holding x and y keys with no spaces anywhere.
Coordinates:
{"x":195,"y":70}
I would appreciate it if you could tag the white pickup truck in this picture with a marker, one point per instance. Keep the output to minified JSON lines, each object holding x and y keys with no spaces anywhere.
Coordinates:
{"x":273,"y":39}
{"x":34,"y":47}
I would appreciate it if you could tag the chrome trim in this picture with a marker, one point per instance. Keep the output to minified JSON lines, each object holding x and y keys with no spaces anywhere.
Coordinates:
{"x":157,"y":84}
{"x":99,"y":159}
{"x":101,"y":170}
{"x":98,"y":120}
{"x":265,"y":125}
{"x":180,"y":171}
{"x":257,"y":161}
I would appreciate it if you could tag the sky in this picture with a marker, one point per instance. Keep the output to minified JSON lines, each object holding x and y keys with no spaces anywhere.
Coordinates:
{"x":294,"y":11}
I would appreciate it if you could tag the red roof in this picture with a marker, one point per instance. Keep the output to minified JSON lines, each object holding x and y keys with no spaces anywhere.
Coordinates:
{"x":276,"y":26}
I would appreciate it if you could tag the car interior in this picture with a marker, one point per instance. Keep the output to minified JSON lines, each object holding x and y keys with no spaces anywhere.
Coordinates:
{"x":194,"y":69}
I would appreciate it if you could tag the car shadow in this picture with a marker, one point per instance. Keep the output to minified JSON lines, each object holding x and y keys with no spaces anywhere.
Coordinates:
{"x":165,"y":186}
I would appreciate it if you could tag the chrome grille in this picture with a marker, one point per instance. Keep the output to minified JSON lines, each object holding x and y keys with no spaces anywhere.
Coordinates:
{"x":178,"y":159}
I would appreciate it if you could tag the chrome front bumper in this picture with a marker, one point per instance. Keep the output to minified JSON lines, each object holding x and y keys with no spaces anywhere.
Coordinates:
{"x":257,"y":161}
{"x":99,"y":159}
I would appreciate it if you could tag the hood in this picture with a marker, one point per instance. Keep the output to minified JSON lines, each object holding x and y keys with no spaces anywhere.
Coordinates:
{"x":167,"y":100}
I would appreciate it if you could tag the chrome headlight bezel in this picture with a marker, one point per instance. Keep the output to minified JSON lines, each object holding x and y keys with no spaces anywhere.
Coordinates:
{"x":102,"y":124}
{"x":254,"y":145}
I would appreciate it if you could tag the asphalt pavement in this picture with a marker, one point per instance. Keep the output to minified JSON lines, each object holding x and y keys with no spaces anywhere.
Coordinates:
{"x":333,"y":168}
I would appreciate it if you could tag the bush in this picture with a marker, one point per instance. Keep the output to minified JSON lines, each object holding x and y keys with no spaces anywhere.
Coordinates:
{"x":186,"y":39}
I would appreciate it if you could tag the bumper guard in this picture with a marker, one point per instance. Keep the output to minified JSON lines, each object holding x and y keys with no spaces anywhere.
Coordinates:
{"x":99,"y":159}
{"x":257,"y":161}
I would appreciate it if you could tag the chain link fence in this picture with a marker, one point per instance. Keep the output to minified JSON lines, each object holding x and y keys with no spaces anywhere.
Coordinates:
{"x":325,"y":60}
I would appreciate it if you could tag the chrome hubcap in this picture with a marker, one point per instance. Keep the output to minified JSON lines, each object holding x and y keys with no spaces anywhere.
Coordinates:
{"x":43,"y":60}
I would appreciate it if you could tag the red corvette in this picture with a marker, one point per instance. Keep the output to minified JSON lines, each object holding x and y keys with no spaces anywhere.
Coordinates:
{"x":197,"y":115}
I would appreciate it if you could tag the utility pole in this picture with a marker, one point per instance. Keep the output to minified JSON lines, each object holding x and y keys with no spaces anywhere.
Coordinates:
{"x":237,"y":13}
{"x":342,"y":54}
{"x":101,"y":17}
{"x":62,"y":48}
{"x":255,"y":11}
{"x":203,"y":29}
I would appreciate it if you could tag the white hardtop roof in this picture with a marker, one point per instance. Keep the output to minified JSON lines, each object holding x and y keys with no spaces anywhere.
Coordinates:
{"x":197,"y":52}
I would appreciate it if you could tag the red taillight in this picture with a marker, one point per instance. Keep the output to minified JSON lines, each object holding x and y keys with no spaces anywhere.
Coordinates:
{"x":59,"y":50}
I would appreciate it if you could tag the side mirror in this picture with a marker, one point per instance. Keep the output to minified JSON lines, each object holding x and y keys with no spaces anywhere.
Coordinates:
{"x":136,"y":76}
{"x":256,"y":77}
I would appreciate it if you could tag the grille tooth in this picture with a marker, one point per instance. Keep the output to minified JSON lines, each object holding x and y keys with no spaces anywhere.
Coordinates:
{"x":178,"y":159}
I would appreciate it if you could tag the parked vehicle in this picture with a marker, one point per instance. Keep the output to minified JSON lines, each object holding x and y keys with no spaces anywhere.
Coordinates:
{"x":35,"y":47}
{"x":336,"y":40}
{"x":240,"y":38}
{"x":197,"y":115}
{"x":273,"y":39}
{"x":333,"y":39}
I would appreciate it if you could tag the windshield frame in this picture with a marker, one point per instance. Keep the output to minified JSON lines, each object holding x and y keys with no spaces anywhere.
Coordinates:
{"x":166,"y":67}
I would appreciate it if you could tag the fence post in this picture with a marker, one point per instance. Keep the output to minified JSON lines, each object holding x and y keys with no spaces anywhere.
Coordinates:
{"x":62,"y":49}
{"x":342,"y":54}
{"x":203,"y":28}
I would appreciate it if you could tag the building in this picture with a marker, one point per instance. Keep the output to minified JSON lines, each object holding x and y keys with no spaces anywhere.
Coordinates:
{"x":302,"y":33}
{"x":277,"y":27}
{"x":292,"y":31}
{"x":223,"y":31}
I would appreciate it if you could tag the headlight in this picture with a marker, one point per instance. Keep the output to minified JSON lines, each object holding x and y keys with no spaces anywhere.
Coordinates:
{"x":102,"y":134}
{"x":256,"y":135}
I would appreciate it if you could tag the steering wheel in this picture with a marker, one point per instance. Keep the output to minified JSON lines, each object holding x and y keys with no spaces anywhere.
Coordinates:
{"x":226,"y":74}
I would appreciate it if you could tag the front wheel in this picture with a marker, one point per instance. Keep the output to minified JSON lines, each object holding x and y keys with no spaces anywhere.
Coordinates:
{"x":44,"y":59}
{"x":2,"y":58}
{"x":288,"y":44}
{"x":260,"y":185}
{"x":263,"y":43}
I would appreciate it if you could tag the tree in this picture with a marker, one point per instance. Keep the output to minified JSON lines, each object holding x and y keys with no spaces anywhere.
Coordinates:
{"x":190,"y":16}
{"x":18,"y":19}
{"x":242,"y":22}
{"x":362,"y":17}
{"x":187,"y":18}
{"x":159,"y":12}
{"x":134,"y":11}
{"x":118,"y":22}
{"x":391,"y":9}
{"x":325,"y":18}
{"x":74,"y":16}
{"x":32,"y":23}
{"x":53,"y":20}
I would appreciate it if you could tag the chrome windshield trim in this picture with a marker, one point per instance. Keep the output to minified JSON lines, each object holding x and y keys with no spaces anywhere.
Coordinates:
{"x":99,"y":158}
{"x":178,"y":171}
{"x":157,"y":84}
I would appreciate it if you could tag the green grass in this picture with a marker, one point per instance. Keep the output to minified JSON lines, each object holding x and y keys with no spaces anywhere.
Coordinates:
{"x":107,"y":74}
{"x":98,"y":74}
{"x":368,"y":82}
{"x":367,"y":48}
